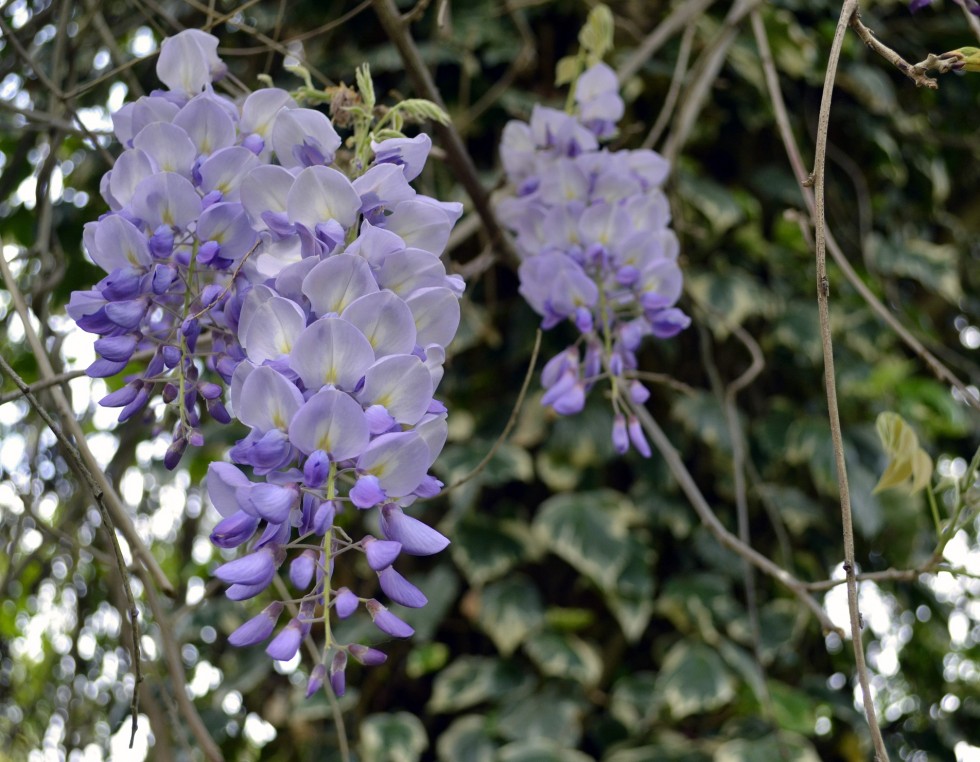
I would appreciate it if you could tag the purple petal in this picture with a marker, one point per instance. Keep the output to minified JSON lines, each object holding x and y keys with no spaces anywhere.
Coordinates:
{"x":104,"y":368}
{"x":637,"y":437}
{"x":122,"y":397}
{"x":330,"y":421}
{"x":267,"y":400}
{"x":207,"y":124}
{"x":302,"y":568}
{"x":234,"y":530}
{"x":302,"y":137}
{"x":254,"y":569}
{"x":421,"y":225}
{"x":399,"y":460}
{"x":272,"y":502}
{"x":223,"y":482}
{"x":167,"y":199}
{"x":317,"y":675}
{"x":336,"y":282}
{"x":285,"y":645}
{"x":345,"y":603}
{"x":320,"y":194}
{"x":399,"y":383}
{"x":118,"y":243}
{"x":408,"y":153}
{"x":620,"y":439}
{"x":367,"y":492}
{"x":258,"y":628}
{"x":168,"y":146}
{"x":188,"y":61}
{"x":337,"y":667}
{"x":381,"y":553}
{"x":436,"y":315}
{"x":387,"y":622}
{"x":369,"y":657}
{"x":416,"y":538}
{"x":331,"y":351}
{"x":272,"y":329}
{"x":386,"y":322}
{"x":400,"y":590}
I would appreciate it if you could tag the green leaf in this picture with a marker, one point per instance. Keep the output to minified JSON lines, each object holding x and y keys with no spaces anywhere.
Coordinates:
{"x":935,"y":266}
{"x":398,"y":737}
{"x":510,"y":610}
{"x":426,"y":659}
{"x":596,"y":36}
{"x":365,"y":86}
{"x":702,"y":414}
{"x":540,"y":750}
{"x":471,"y":680}
{"x":550,"y":713}
{"x":632,"y":601}
{"x":716,"y":203}
{"x":485,"y":548}
{"x":686,"y":600}
{"x":589,"y":530}
{"x":734,"y":295}
{"x":693,"y":680}
{"x":796,"y":748}
{"x":468,"y":739}
{"x":794,"y":710}
{"x":630,"y":702}
{"x":566,"y":70}
{"x":420,"y":109}
{"x":561,"y":654}
{"x":909,"y":467}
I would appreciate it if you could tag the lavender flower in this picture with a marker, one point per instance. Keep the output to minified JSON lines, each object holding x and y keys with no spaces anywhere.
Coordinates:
{"x":592,"y":228}
{"x":244,"y":268}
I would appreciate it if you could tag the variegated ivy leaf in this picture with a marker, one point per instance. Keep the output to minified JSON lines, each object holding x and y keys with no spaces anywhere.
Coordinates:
{"x":909,"y":466}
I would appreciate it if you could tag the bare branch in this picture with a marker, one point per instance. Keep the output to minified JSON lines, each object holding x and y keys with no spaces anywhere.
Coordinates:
{"x":848,"y":11}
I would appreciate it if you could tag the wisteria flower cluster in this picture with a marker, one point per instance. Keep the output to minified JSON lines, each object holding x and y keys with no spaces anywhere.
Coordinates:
{"x":233,"y":249}
{"x":591,"y":227}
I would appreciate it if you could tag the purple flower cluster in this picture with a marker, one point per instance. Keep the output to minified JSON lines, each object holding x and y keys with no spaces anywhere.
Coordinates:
{"x":591,"y":226}
{"x":233,"y":248}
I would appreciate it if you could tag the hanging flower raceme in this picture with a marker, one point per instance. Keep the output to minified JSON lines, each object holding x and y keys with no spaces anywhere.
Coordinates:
{"x":592,"y":229}
{"x":234,"y":249}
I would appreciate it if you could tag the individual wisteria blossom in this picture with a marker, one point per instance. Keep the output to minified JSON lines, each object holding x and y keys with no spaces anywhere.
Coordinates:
{"x":592,"y":230}
{"x":234,"y":248}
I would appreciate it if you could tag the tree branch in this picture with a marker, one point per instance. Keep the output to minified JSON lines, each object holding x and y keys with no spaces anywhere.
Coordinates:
{"x":848,"y":11}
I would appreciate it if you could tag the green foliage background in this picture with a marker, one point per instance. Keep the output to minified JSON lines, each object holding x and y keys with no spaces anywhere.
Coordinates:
{"x":582,"y":612}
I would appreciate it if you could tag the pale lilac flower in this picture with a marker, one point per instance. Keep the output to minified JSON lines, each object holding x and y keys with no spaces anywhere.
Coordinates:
{"x":592,"y":228}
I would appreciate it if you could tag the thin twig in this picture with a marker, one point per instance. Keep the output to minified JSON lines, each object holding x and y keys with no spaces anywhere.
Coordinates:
{"x":522,"y":61}
{"x":120,"y":516}
{"x":175,"y":670}
{"x":704,"y":74}
{"x":75,"y":461}
{"x":938,"y":368}
{"x":459,"y":159}
{"x":681,"y":17}
{"x":848,"y":10}
{"x":915,"y":73}
{"x":676,"y":80}
{"x":711,"y":521}
{"x":50,"y":87}
{"x":510,"y":421}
